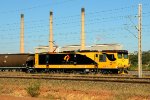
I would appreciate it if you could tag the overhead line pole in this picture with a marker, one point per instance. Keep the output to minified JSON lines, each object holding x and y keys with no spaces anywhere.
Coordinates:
{"x":139,"y":41}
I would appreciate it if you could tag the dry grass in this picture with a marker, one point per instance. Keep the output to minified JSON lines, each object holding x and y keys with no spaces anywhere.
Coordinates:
{"x":75,"y":90}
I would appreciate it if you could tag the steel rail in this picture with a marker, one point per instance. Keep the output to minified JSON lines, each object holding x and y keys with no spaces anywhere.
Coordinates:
{"x":82,"y":79}
{"x":88,"y":76}
{"x":80,"y":76}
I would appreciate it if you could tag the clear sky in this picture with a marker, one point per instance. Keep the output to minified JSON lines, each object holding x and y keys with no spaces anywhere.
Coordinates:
{"x":106,"y":21}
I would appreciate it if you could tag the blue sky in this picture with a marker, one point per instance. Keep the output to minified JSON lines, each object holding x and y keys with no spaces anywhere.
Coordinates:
{"x":106,"y":21}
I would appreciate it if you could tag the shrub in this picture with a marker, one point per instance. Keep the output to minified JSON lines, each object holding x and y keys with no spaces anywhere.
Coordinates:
{"x":33,"y":89}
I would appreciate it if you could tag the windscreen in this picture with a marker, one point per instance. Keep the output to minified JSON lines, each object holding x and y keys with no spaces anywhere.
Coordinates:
{"x":125,"y":56}
{"x":122,"y":55}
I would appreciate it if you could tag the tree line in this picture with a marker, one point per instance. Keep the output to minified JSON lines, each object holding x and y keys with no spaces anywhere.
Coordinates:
{"x":133,"y":59}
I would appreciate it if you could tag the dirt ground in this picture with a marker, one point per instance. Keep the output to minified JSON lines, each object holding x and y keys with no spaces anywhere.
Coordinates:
{"x":11,"y":89}
{"x":8,"y":97}
{"x":54,"y":94}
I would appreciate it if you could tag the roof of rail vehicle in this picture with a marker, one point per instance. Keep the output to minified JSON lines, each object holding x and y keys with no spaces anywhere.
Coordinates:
{"x":115,"y":51}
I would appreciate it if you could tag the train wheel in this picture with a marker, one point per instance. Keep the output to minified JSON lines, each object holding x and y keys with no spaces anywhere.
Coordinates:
{"x":122,"y":71}
{"x":2,"y":70}
{"x":114,"y":71}
{"x":126,"y":71}
{"x":31,"y":71}
{"x":46,"y":70}
{"x":104,"y":71}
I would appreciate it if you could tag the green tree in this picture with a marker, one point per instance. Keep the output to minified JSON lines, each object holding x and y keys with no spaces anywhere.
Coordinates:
{"x":145,"y":60}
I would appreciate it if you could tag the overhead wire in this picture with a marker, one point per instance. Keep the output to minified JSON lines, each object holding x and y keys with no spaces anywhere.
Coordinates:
{"x":93,"y":21}
{"x":35,"y":7}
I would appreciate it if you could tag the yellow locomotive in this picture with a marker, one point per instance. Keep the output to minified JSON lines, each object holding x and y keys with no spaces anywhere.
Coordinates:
{"x":107,"y":61}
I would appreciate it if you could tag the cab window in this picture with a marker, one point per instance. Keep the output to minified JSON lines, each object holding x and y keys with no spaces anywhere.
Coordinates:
{"x":102,"y":58}
{"x":119,"y":55}
{"x":125,"y":56}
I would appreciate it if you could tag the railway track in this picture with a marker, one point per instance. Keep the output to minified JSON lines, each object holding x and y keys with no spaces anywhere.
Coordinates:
{"x":121,"y":76}
{"x":83,"y":78}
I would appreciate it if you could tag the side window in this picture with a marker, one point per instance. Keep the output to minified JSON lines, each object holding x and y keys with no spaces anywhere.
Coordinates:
{"x":111,"y":57}
{"x":96,"y":55}
{"x":102,"y":58}
{"x":47,"y":59}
